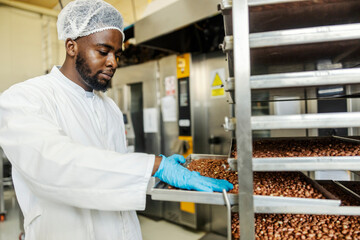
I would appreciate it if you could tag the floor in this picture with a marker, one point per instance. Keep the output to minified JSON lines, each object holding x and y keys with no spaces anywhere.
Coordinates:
{"x":151,"y":229}
{"x":10,"y":228}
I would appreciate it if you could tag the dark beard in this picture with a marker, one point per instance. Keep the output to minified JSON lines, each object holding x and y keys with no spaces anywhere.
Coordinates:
{"x":90,"y":80}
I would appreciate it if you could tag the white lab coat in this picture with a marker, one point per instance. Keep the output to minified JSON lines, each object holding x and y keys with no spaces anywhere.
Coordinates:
{"x":71,"y":176}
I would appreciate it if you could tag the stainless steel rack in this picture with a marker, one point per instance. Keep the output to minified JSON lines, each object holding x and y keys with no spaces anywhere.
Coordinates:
{"x":243,"y":41}
{"x":238,"y":45}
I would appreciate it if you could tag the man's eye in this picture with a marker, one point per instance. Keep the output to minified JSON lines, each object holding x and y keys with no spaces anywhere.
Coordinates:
{"x":103,"y":53}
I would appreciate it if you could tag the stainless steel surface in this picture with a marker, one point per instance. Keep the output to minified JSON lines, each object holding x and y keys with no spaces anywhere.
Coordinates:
{"x":226,"y":9}
{"x":306,"y":163}
{"x":321,"y":120}
{"x":330,"y":210}
{"x":146,"y":74}
{"x":266,"y":2}
{"x":178,"y":14}
{"x":169,"y":130}
{"x":195,"y":156}
{"x":208,"y":112}
{"x":230,"y":124}
{"x":161,"y":192}
{"x":228,"y":44}
{"x":305,"y":35}
{"x":197,"y":220}
{"x":305,"y":79}
{"x":347,"y":139}
{"x":226,"y":4}
{"x":243,"y":116}
{"x":228,"y":218}
{"x":230,"y":84}
{"x":353,"y":106}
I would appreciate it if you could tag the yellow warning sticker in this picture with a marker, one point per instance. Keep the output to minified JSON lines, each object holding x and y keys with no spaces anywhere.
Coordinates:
{"x":217,"y":82}
{"x":217,"y":92}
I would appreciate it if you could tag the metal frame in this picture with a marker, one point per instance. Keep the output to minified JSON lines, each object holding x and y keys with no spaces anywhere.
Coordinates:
{"x":305,"y":79}
{"x":328,"y":210}
{"x":305,"y":35}
{"x":306,"y":163}
{"x":228,"y":218}
{"x":301,"y":121}
{"x":161,"y":192}
{"x":253,"y":3}
{"x":243,"y":116}
{"x":245,"y":122}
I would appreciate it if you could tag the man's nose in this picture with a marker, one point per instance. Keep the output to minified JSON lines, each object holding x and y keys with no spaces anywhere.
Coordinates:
{"x":111,"y":61}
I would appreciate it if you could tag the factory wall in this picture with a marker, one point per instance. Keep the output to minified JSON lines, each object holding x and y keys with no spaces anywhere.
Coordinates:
{"x":28,"y":44}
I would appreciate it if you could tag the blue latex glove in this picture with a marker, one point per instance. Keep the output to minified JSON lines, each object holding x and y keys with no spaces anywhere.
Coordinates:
{"x":171,"y":172}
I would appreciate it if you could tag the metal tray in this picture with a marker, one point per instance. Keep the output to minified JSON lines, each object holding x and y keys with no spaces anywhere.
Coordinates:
{"x":344,"y":193}
{"x":302,"y":163}
{"x":349,"y":186}
{"x":162,"y":192}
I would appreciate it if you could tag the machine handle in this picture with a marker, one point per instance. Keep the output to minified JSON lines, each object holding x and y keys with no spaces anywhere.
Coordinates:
{"x":228,"y":207}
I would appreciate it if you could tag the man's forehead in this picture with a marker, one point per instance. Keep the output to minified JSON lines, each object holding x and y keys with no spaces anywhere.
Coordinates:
{"x":109,"y":37}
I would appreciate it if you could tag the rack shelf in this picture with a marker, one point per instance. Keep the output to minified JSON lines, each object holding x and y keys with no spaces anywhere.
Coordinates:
{"x":305,"y":79}
{"x":305,"y":35}
{"x":160,"y":192}
{"x":267,"y":2}
{"x":306,"y":163}
{"x":303,"y":121}
{"x":330,"y":210}
{"x":262,"y":204}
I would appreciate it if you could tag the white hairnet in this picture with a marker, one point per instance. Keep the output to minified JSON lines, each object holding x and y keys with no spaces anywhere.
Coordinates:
{"x":83,"y":17}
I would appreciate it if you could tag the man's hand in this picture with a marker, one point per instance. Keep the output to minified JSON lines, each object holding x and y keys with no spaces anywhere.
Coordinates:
{"x":171,"y":172}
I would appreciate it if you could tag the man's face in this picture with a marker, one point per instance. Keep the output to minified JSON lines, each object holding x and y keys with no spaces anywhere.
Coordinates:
{"x":96,"y":60}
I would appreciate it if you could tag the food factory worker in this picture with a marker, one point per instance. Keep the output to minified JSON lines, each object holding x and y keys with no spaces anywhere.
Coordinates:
{"x":66,"y":142}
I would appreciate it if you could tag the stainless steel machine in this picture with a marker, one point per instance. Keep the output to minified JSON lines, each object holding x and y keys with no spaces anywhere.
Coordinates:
{"x":145,"y":86}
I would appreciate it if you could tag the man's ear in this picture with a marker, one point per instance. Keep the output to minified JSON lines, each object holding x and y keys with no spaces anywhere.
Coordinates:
{"x":71,"y":47}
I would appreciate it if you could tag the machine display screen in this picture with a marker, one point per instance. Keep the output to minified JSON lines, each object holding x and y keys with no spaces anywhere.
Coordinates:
{"x":184,"y":100}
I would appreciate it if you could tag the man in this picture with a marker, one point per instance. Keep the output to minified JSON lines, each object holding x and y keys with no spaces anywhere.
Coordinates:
{"x":66,"y":142}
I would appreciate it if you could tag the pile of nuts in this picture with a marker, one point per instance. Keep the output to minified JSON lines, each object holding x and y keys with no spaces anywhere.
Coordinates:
{"x":301,"y":226}
{"x":347,"y":199}
{"x":303,"y":148}
{"x":284,"y":184}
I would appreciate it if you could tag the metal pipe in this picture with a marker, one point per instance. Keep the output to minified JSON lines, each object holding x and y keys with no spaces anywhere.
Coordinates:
{"x":228,"y":207}
{"x":30,"y":7}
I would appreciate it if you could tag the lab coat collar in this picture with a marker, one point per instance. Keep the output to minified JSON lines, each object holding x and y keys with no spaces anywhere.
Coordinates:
{"x":55,"y":71}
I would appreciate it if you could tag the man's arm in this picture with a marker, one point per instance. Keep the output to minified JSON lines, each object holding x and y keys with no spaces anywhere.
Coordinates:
{"x":156,"y":164}
{"x":57,"y":168}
